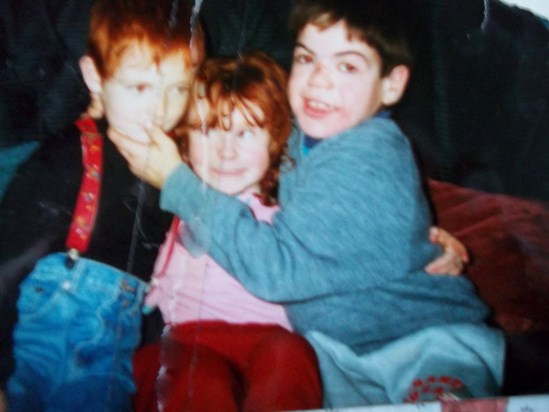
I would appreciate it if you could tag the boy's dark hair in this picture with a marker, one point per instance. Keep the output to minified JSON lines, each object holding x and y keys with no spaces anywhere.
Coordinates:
{"x":389,"y":26}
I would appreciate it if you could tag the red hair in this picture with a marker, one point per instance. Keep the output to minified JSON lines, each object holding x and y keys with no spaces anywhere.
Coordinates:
{"x":163,"y":27}
{"x":249,"y":82}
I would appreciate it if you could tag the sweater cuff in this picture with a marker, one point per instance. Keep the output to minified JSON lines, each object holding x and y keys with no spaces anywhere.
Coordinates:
{"x":184,"y":193}
{"x":186,"y":196}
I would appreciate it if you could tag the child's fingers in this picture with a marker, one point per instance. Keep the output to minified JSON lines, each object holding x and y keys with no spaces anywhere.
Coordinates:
{"x":459,"y":248}
{"x":164,"y":146}
{"x":125,"y":143}
{"x":454,"y":256}
{"x":152,"y":161}
{"x":448,"y":263}
{"x":133,"y":151}
{"x":448,"y":242}
{"x":433,"y":234}
{"x":155,"y":133}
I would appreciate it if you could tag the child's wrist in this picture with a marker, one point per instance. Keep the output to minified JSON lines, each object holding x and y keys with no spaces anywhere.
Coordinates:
{"x":169,"y":171}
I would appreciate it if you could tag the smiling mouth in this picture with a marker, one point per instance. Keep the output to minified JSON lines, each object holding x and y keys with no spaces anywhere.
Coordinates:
{"x":227,"y":172}
{"x":317,"y":108}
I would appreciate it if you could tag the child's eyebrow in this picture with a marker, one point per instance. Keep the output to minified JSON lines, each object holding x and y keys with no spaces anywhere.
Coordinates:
{"x":299,"y":44}
{"x":343,"y":53}
{"x":353,"y":53}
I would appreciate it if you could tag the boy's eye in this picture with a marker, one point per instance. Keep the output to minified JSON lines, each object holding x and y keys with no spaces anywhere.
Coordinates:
{"x":347,"y":67}
{"x":140,"y":87}
{"x":302,"y":58}
{"x":181,"y":89}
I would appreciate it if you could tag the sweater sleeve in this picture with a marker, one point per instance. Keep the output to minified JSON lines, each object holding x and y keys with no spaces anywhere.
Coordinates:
{"x":351,"y":218}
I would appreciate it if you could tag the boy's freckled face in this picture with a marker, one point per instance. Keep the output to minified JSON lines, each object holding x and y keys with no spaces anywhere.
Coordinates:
{"x":233,"y":161}
{"x":335,"y":81}
{"x":141,"y":91}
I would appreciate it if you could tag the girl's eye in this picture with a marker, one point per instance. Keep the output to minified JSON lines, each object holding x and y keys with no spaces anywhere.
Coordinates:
{"x":245,"y":134}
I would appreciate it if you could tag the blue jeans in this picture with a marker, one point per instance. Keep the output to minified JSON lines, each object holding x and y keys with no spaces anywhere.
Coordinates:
{"x":75,"y":338}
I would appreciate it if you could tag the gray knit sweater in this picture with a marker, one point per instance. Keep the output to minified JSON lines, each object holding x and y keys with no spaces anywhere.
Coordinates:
{"x":345,"y":254}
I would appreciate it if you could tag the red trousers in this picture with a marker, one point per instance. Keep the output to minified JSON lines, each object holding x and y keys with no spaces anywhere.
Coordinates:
{"x":217,"y":366}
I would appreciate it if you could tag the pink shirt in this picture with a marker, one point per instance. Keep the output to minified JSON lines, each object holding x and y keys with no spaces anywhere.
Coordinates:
{"x":188,"y":289}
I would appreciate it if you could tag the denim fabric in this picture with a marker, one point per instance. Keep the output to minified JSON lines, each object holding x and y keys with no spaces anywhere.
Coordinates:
{"x":75,"y":338}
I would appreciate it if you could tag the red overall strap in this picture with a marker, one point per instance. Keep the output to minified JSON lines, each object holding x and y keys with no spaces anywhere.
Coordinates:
{"x":83,"y":218}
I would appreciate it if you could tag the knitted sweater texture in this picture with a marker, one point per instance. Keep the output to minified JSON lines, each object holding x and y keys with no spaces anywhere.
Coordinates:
{"x":345,"y":254}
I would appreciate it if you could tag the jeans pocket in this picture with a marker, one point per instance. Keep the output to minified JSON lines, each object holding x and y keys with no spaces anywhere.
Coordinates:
{"x":38,"y":294}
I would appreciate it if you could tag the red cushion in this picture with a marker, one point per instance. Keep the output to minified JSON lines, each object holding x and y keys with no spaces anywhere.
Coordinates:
{"x":508,"y":239}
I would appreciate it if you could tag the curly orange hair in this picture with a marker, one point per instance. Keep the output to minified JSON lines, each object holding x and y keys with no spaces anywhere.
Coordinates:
{"x":246,"y":83}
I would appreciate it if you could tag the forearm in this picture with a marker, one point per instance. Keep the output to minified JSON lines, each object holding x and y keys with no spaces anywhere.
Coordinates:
{"x":349,"y":236}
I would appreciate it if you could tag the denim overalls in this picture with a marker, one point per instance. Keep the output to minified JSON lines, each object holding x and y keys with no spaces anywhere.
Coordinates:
{"x":79,"y":319}
{"x":78,"y":328}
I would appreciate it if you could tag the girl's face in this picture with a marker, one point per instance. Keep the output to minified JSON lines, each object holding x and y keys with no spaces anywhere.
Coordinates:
{"x":232,"y":161}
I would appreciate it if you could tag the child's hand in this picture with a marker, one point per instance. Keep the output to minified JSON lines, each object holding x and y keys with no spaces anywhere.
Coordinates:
{"x":455,"y":255}
{"x":153,"y":161}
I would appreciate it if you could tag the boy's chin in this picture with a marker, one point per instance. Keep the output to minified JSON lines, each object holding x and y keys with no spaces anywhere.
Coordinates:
{"x":321,"y":130}
{"x":315,"y":133}
{"x":315,"y":129}
{"x":141,"y":137}
{"x":137,"y":135}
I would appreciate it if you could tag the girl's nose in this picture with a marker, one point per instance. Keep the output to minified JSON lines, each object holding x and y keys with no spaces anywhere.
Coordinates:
{"x":227,"y":146}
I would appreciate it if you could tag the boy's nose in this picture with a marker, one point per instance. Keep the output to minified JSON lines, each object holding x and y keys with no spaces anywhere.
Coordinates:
{"x":320,"y":76}
{"x":159,"y":108}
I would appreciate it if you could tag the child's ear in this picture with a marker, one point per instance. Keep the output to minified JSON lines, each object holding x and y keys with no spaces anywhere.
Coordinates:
{"x":93,"y":81}
{"x":394,"y":84}
{"x":90,"y":74}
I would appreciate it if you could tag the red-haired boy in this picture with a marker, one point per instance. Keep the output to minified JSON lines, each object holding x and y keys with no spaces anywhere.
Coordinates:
{"x":79,"y":232}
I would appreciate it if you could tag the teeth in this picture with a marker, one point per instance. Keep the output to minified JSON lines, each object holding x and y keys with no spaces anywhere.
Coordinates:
{"x":315,"y":104}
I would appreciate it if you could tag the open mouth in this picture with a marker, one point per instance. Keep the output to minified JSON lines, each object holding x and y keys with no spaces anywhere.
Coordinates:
{"x":317,"y":108}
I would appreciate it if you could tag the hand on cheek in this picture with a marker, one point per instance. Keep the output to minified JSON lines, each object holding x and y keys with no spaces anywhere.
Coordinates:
{"x":152,"y":161}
